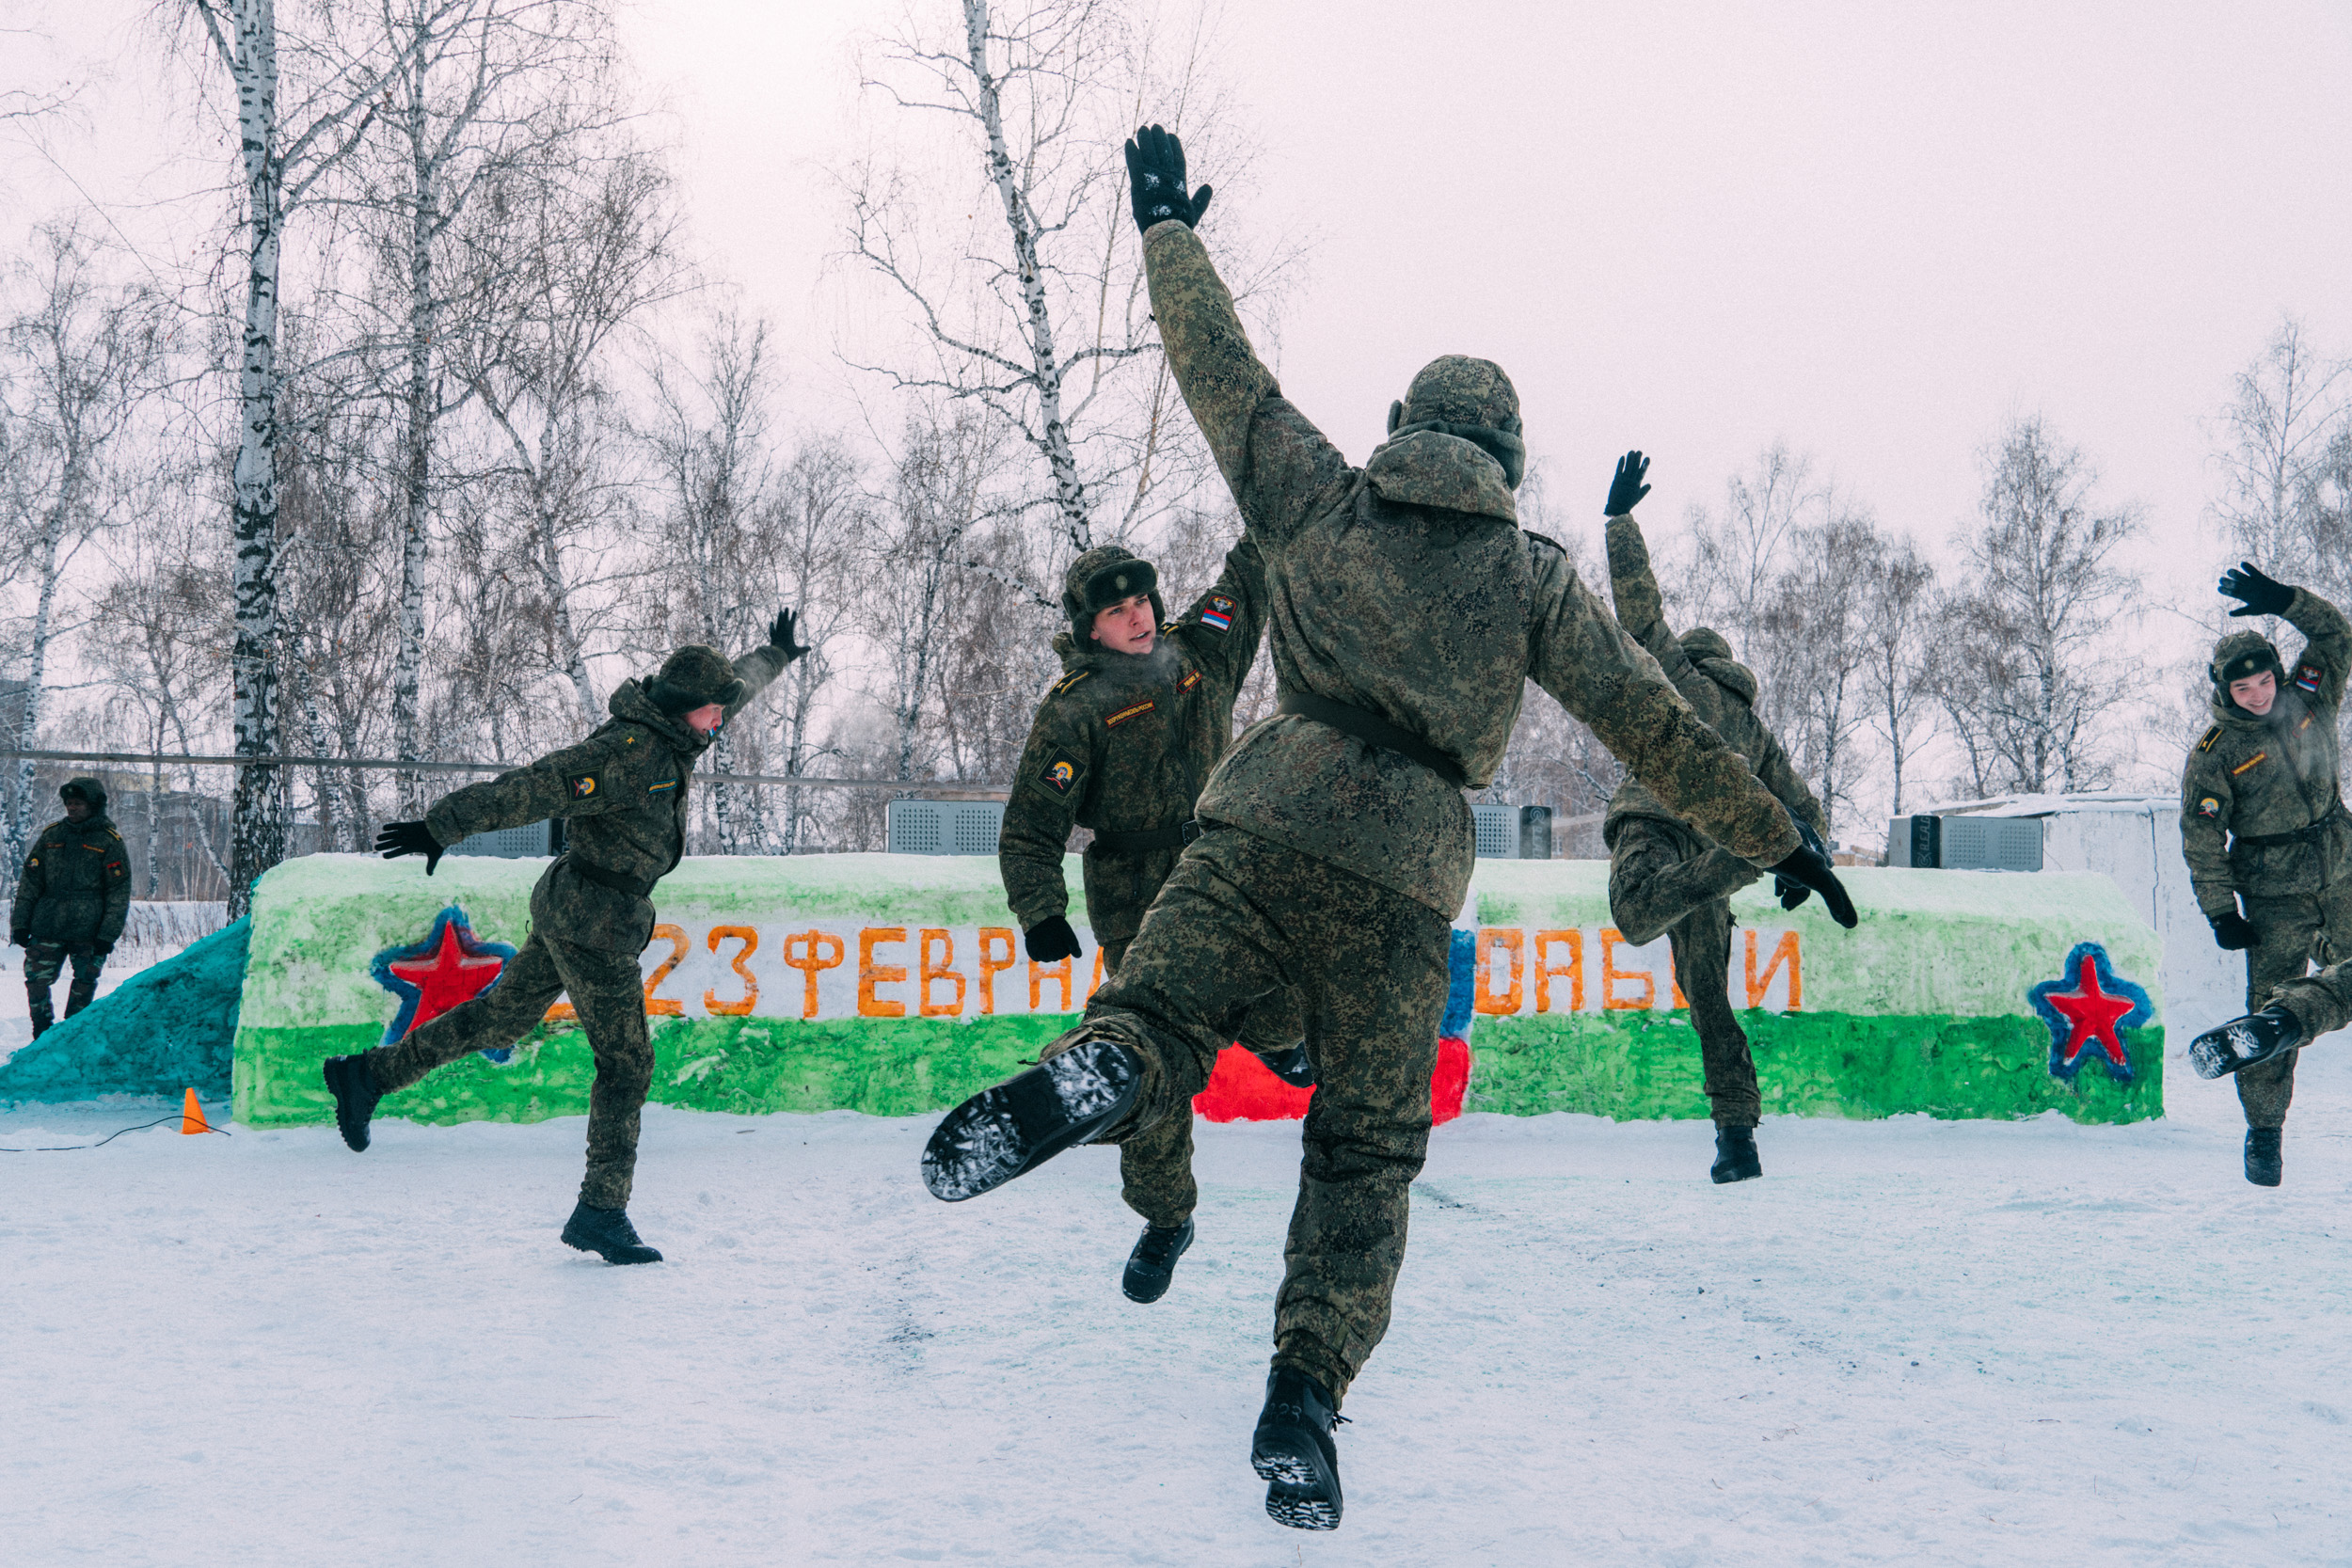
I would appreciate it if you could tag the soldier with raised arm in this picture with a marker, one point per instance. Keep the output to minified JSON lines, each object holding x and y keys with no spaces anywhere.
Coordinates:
{"x":1123,"y":744}
{"x":622,"y":793}
{"x":1406,"y":611}
{"x":2262,"y":825}
{"x":1666,"y":877}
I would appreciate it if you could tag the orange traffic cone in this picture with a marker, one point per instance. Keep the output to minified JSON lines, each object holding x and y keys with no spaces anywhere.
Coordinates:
{"x":192,"y":1116}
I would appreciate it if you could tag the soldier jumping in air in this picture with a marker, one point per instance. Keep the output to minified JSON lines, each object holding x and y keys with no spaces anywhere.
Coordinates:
{"x":1407,"y":610}
{"x":2266,"y":776}
{"x":623,"y":792}
{"x":72,"y":900}
{"x":1667,"y":879}
{"x":1122,"y":745}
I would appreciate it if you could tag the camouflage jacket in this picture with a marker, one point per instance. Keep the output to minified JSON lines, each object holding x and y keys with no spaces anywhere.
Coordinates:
{"x":1125,"y":743}
{"x":2248,"y":777}
{"x":622,"y":796}
{"x":76,"y":885}
{"x":1406,"y":588}
{"x":1727,"y":705}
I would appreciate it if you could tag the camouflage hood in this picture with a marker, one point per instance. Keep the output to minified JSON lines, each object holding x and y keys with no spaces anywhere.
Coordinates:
{"x":1712,"y":652}
{"x":631,"y":702}
{"x":1099,"y":578}
{"x":1466,"y":400}
{"x":2234,"y":658}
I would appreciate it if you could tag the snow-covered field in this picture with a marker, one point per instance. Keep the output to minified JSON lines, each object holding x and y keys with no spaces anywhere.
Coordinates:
{"x":1911,"y":1342}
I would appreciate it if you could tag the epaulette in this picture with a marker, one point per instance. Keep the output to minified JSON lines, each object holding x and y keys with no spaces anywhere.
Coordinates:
{"x":1070,"y":680}
{"x":115,"y":837}
{"x":2211,"y":736}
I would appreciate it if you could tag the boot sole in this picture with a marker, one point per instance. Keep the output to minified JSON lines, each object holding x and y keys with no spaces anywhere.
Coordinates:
{"x":1302,"y":1491}
{"x":2229,"y":1049}
{"x":352,"y":1124}
{"x":1020,"y":1124}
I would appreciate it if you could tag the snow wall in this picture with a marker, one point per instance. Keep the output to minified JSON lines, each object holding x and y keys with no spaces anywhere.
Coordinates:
{"x":894,"y":985}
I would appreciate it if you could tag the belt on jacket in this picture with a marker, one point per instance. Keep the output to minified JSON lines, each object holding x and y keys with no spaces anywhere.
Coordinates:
{"x":2305,"y":835}
{"x":636,"y":887}
{"x":1147,"y":838}
{"x":1374,"y":729}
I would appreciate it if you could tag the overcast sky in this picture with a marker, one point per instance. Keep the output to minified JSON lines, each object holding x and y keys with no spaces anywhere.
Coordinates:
{"x":1874,"y":231}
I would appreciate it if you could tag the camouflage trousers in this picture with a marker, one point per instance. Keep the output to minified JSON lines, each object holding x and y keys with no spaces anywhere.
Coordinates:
{"x":608,"y":992}
{"x":1654,"y":885}
{"x":43,"y":962}
{"x":1239,"y":918}
{"x":2291,"y":933}
{"x":1156,"y":1163}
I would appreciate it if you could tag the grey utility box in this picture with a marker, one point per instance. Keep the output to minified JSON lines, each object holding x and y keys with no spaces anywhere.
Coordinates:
{"x":945,"y":827}
{"x":1513,"y":833}
{"x":1965,"y":842}
{"x":538,"y":840}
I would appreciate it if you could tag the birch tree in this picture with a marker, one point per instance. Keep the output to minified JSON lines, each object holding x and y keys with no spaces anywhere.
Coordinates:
{"x":818,"y":519}
{"x":1898,"y":590}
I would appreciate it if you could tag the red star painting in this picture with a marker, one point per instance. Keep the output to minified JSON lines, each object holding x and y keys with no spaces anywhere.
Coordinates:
{"x":2092,"y":1010}
{"x":449,"y":966}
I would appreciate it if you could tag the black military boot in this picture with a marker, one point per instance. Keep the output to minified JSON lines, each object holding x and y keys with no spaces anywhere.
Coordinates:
{"x":1736,"y":1159}
{"x":608,"y":1233}
{"x":1023,"y":1122}
{"x":1293,"y":1452}
{"x":2264,"y":1166}
{"x":2243,"y":1041}
{"x":1153,"y":1264}
{"x":1292,"y":1066}
{"x":356,"y":1094}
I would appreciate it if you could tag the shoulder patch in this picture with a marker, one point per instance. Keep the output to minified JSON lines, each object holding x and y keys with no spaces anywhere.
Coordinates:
{"x":2308,"y":677}
{"x":582,"y":786}
{"x":1067,"y":681}
{"x":1133,"y":710}
{"x":2211,"y":736}
{"x":1216,"y":613}
{"x":1062,"y":772}
{"x":2209,"y":807}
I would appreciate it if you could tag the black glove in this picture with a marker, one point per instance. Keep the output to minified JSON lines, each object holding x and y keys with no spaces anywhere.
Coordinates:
{"x":2262,"y":595}
{"x":1810,"y":867}
{"x":1793,"y":893}
{"x":102,"y":948}
{"x":780,"y":635}
{"x":2234,"y":933}
{"x":1156,"y":179}
{"x":1051,"y":940}
{"x":395,"y":839}
{"x":1627,"y":490}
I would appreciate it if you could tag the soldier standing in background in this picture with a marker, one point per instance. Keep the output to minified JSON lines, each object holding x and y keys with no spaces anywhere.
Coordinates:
{"x":1664,"y":877}
{"x":2263,"y":824}
{"x":1122,"y":745}
{"x":623,"y":793}
{"x":71,"y":899}
{"x":1408,"y":613}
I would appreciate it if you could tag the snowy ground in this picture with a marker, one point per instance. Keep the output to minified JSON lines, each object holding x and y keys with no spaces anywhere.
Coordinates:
{"x":1911,"y":1342}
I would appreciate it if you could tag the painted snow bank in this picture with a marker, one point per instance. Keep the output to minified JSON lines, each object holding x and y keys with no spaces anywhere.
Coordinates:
{"x":165,"y":1029}
{"x":893,"y":985}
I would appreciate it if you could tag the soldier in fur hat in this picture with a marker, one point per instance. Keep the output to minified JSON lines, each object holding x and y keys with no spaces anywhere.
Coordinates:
{"x":622,"y":792}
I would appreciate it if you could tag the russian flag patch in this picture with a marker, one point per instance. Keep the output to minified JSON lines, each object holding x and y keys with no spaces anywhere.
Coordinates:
{"x":1217,"y":613}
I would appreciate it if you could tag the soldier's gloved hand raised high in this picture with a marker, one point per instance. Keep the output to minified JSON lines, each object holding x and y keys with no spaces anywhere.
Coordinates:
{"x":2262,"y":595}
{"x":1155,"y":180}
{"x":2234,"y":932}
{"x":780,"y":635}
{"x":395,"y":839}
{"x":1627,"y":490}
{"x":1051,"y":940}
{"x":1812,"y":868}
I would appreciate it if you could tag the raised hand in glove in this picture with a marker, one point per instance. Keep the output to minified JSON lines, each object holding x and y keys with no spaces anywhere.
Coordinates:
{"x":1793,"y":893}
{"x":395,"y":839}
{"x":1810,"y":867}
{"x":2262,"y":595}
{"x":1051,"y":940}
{"x":2234,"y":932}
{"x":1627,"y":490}
{"x":780,"y":635}
{"x":1155,"y":180}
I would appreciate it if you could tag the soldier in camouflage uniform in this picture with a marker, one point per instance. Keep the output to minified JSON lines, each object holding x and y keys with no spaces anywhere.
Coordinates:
{"x":1664,"y":877}
{"x":622,"y":792}
{"x":1408,"y":609}
{"x":1122,"y":745}
{"x":2262,"y":823}
{"x":71,"y":899}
